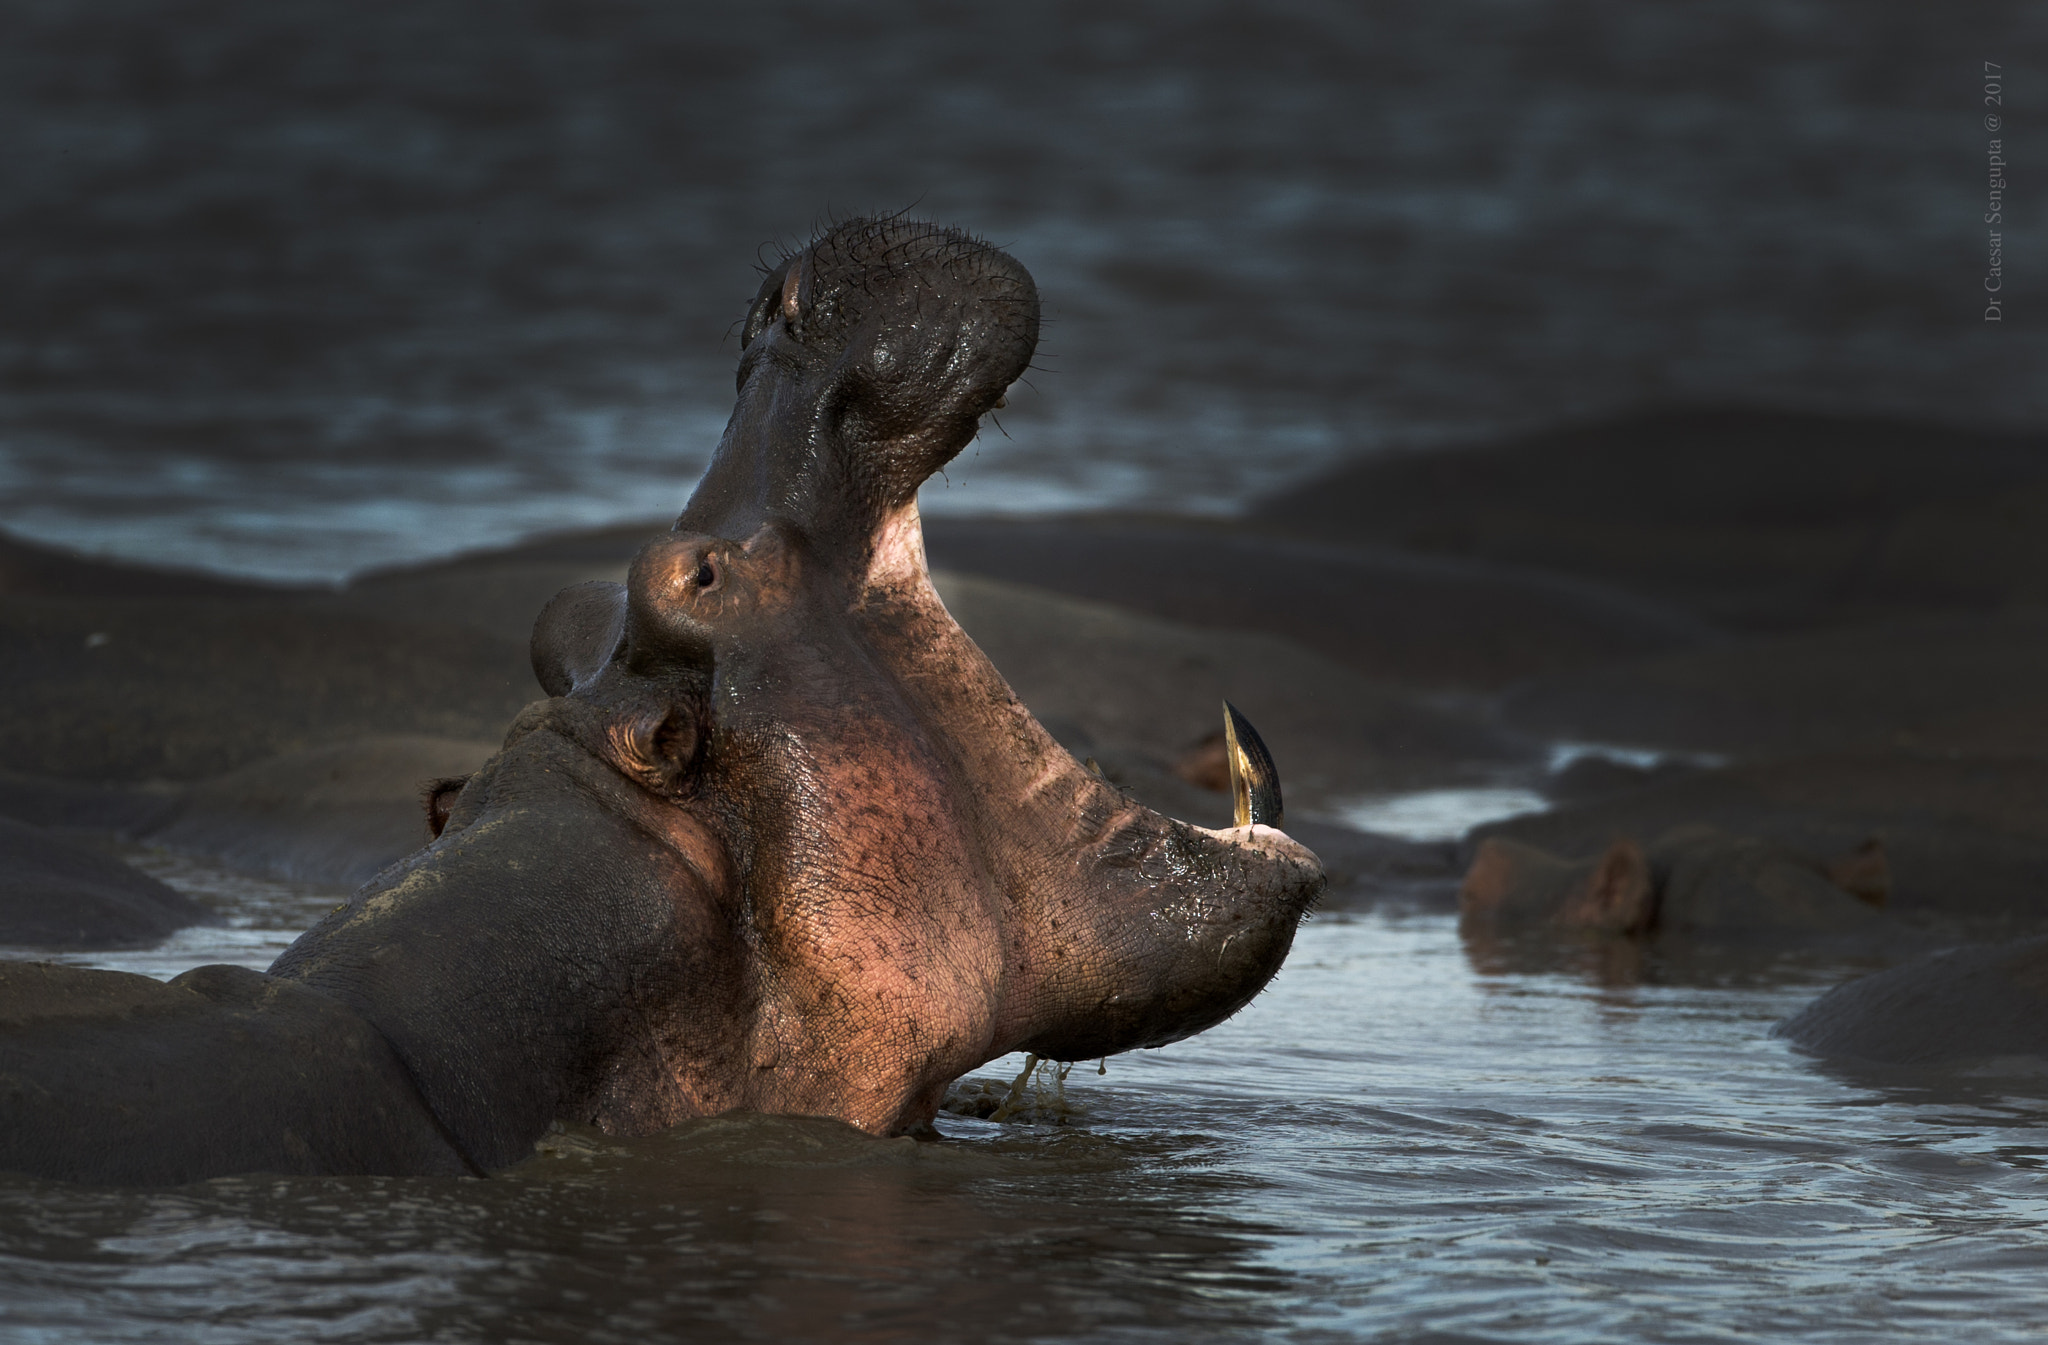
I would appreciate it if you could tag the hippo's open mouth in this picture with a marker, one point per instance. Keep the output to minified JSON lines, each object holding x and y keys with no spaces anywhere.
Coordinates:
{"x":783,"y":839}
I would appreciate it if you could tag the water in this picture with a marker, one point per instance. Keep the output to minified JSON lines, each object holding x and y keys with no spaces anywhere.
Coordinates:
{"x":298,"y":288}
{"x":1436,"y":814}
{"x":1388,"y":1144}
{"x":1448,"y":814}
{"x":260,"y":918}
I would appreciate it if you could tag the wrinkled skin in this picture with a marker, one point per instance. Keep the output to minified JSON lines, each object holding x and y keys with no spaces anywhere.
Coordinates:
{"x":782,"y":839}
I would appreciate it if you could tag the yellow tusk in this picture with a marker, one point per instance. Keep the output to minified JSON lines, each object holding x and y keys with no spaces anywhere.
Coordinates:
{"x":1254,"y":782}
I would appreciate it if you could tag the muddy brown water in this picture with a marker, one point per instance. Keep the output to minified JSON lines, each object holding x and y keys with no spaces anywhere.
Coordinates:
{"x":1388,"y":1144}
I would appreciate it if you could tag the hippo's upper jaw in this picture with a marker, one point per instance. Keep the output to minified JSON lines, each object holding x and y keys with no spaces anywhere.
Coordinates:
{"x":867,"y":362}
{"x":827,"y":862}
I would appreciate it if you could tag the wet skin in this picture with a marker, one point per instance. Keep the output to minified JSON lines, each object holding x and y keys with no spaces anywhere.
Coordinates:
{"x":781,"y":838}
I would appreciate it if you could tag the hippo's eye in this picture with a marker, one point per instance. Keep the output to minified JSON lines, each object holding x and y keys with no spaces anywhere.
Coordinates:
{"x":705,"y":576}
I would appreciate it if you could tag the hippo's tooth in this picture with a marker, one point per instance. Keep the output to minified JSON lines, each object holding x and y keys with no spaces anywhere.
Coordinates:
{"x":1254,"y":783}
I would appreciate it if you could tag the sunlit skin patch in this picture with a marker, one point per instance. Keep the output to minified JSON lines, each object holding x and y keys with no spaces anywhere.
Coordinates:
{"x":865,"y":979}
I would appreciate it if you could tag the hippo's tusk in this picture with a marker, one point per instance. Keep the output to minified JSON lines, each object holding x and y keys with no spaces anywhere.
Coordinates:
{"x":1254,"y":783}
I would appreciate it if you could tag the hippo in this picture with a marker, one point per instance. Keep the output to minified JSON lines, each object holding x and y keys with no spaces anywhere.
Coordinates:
{"x":1976,"y":1010}
{"x":1694,"y":882}
{"x":780,"y":839}
{"x":1685,"y":903}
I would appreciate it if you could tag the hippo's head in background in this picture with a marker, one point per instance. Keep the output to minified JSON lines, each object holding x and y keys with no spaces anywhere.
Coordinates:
{"x":782,"y":839}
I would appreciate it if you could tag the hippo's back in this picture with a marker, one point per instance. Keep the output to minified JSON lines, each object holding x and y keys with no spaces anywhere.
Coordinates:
{"x":108,"y":1077}
{"x":1986,"y":1004}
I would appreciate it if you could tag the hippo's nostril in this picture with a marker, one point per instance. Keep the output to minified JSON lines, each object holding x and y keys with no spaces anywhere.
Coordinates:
{"x":796,"y":294}
{"x":790,"y":311}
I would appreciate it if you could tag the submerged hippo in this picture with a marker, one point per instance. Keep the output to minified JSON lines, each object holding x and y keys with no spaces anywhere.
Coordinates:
{"x":781,"y":839}
{"x":1693,"y":882}
{"x":1980,"y":1009}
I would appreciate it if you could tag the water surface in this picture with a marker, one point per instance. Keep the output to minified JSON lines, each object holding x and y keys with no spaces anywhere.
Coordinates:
{"x":1386,"y":1144}
{"x":301,"y":287}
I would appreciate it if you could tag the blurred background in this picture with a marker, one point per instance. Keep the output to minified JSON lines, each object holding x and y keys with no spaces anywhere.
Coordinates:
{"x":303,"y":288}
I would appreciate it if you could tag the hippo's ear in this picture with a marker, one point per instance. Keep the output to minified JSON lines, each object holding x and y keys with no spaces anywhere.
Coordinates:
{"x":438,"y":797}
{"x":578,"y":633}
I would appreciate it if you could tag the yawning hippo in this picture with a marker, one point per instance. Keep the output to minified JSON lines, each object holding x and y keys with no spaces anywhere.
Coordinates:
{"x":781,"y":839}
